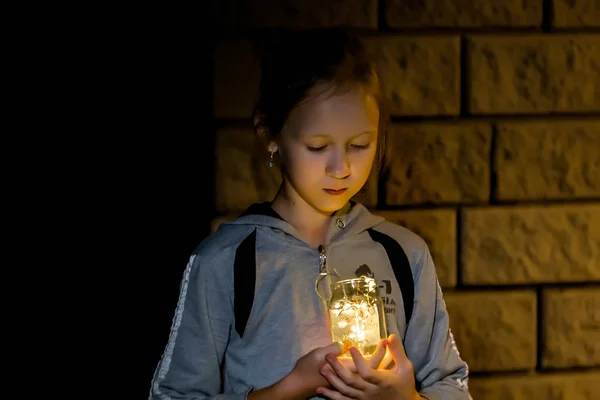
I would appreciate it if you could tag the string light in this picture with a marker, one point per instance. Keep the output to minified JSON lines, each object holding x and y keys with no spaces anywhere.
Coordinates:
{"x":356,"y":315}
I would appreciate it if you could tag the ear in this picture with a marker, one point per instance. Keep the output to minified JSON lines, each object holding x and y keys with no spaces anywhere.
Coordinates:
{"x":260,"y":127}
{"x":263,"y":133}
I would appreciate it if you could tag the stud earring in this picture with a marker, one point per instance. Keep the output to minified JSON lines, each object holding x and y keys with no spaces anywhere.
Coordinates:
{"x":271,"y":160}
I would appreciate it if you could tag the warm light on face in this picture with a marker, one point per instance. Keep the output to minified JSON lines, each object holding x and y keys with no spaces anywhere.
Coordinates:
{"x":329,"y":142}
{"x":356,"y":315}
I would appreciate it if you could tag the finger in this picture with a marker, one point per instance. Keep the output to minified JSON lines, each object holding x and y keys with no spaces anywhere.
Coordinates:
{"x":334,"y":348}
{"x":365,"y":371}
{"x":338,"y":384}
{"x":388,"y":359}
{"x":349,"y":378}
{"x":332,"y":394}
{"x":378,"y":355}
{"x":349,"y":364}
{"x":397,"y":350}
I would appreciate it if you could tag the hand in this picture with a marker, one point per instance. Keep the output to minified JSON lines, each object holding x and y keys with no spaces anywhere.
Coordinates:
{"x":371,"y":383}
{"x":305,"y":378}
{"x":380,"y":359}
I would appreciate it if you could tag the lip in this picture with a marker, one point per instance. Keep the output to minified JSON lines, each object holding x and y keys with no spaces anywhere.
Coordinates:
{"x":335,"y":192}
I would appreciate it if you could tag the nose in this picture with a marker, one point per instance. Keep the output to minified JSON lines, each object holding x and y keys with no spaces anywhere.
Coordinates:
{"x":338,"y":165}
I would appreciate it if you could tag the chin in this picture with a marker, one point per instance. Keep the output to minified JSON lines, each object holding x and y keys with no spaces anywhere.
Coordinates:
{"x":329,"y":206}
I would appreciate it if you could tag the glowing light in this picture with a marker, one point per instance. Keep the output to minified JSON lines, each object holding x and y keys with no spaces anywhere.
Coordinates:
{"x":356,"y":316}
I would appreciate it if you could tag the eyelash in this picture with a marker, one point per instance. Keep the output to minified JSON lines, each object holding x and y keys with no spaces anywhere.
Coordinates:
{"x":355,"y":146}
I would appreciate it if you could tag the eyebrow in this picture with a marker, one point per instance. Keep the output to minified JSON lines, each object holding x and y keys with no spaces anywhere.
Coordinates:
{"x":353,"y":137}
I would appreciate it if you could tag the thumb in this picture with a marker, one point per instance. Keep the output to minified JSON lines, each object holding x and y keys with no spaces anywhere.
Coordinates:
{"x":397,"y":350}
{"x":334,"y":348}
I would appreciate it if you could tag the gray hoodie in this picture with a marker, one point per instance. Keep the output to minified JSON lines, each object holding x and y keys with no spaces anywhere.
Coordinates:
{"x":248,"y":308}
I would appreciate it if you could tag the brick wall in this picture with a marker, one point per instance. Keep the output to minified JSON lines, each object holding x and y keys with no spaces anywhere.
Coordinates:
{"x":496,"y":146}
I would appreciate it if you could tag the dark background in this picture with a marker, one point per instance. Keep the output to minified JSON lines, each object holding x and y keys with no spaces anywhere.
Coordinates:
{"x":153,"y":196}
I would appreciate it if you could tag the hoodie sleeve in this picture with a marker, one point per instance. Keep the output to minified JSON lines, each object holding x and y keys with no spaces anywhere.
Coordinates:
{"x":190,"y":366}
{"x":440,"y":373}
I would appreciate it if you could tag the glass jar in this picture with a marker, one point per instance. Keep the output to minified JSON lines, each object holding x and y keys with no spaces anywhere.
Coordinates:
{"x":356,"y":315}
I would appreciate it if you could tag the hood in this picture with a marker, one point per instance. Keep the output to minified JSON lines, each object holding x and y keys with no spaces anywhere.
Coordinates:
{"x":351,"y":220}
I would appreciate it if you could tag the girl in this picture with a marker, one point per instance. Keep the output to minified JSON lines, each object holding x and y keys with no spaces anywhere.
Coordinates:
{"x":249,"y":323}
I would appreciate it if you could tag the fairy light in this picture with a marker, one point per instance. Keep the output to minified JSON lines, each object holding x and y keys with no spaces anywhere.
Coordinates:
{"x":356,"y":314}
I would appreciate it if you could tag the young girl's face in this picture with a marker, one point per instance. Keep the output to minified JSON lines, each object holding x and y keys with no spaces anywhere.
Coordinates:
{"x":327,"y":148}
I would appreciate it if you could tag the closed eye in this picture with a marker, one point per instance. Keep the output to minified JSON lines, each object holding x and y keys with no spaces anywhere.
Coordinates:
{"x":354,"y":146}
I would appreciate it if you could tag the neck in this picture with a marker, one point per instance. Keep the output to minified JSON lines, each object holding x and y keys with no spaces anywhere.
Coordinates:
{"x":311,"y":223}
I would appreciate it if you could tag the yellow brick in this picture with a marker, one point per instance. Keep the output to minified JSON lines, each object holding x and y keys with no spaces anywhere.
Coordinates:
{"x":548,"y":160}
{"x":571,"y":328}
{"x":563,"y":386}
{"x":534,"y":74}
{"x":470,"y":14}
{"x":576,"y":14}
{"x":494,"y":331}
{"x":531,"y":244}
{"x":439,"y":163}
{"x":420,"y":74}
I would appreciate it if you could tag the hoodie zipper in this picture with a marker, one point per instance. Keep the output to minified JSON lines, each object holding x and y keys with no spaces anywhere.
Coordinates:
{"x":322,"y":260}
{"x":322,"y":271}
